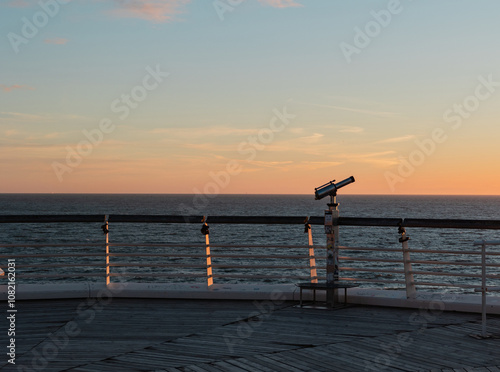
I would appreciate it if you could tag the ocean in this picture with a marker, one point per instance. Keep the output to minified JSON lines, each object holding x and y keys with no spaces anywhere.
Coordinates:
{"x":460,"y":207}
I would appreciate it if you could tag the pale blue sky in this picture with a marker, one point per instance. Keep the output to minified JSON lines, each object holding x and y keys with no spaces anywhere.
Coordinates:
{"x":227,"y":76}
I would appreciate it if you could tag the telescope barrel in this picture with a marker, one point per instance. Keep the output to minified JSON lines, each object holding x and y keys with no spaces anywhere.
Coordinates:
{"x":331,"y":188}
{"x":345,"y":182}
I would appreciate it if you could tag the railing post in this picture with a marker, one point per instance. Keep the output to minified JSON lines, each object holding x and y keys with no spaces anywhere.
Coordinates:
{"x":205,"y":231}
{"x":105,"y":229}
{"x":332,"y":251}
{"x":411,"y":291}
{"x":483,"y":290}
{"x":312,"y":257}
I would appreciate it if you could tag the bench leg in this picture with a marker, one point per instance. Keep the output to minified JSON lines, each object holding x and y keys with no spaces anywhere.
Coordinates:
{"x":300,"y":297}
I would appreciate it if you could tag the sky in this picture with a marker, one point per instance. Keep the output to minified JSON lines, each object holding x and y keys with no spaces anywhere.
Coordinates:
{"x":252,"y":96}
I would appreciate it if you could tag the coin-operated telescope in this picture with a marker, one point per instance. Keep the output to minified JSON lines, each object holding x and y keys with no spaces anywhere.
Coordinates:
{"x":330,"y":188}
{"x":332,"y":236}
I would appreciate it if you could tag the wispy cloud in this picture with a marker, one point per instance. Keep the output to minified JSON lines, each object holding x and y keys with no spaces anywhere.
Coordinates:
{"x":10,"y":88}
{"x":382,"y":158}
{"x":351,"y":109}
{"x":10,"y":118}
{"x":203,"y":132}
{"x":315,"y":137}
{"x":165,"y":10}
{"x":406,"y":138}
{"x":312,"y":165}
{"x":287,"y":166}
{"x":19,"y":116}
{"x":367,"y":155}
{"x":151,"y":10}
{"x":271,"y":164}
{"x":280,"y":3}
{"x":348,"y":129}
{"x":57,"y":41}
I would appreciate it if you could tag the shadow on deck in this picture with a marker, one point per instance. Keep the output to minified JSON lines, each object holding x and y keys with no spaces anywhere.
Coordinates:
{"x":207,"y":335}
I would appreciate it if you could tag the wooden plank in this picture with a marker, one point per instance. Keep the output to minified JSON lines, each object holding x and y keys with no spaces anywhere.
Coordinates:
{"x":246,"y":365}
{"x":189,"y":334}
{"x":227,"y":367}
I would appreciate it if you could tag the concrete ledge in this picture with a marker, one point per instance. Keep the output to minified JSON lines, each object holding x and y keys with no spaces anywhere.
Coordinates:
{"x":48,"y":291}
{"x":424,"y":300}
{"x":289,"y":292}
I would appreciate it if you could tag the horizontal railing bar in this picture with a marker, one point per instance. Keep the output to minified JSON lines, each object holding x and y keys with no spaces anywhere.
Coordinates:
{"x":55,"y":245}
{"x":15,"y":255}
{"x":51,"y":218}
{"x":453,"y":274}
{"x":492,"y":276}
{"x":259,"y":256}
{"x":59,"y":245}
{"x":128,"y":218}
{"x":165,"y":275}
{"x":203,"y":255}
{"x":446,"y":285}
{"x":370,"y":249}
{"x":371,"y":270}
{"x":448,"y":251}
{"x":263,"y":220}
{"x":170,"y":245}
{"x":355,"y":269}
{"x":175,"y":255}
{"x":351,"y":279}
{"x":120,"y":264}
{"x":487,"y":242}
{"x":123,"y":264}
{"x":265,"y":246}
{"x":452,"y":223}
{"x":259,"y":267}
{"x":402,"y":282}
{"x":478,"y":252}
{"x":415,"y":250}
{"x":488,"y":289}
{"x":451,"y":263}
{"x":426,"y":262}
{"x":420,"y":222}
{"x":70,"y":275}
{"x":202,"y":245}
{"x":260,"y":276}
{"x":23,"y":266}
{"x":348,"y":258}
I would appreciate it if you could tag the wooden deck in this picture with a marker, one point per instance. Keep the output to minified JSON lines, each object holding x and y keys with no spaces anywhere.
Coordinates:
{"x":239,"y":336}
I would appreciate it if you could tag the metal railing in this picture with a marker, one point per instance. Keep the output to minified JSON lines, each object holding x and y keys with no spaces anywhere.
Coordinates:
{"x":185,"y":261}
{"x":405,"y":267}
{"x":484,"y":287}
{"x":193,"y":261}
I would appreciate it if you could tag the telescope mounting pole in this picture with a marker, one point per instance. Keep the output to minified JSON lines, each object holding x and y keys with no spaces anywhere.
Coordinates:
{"x":332,"y":251}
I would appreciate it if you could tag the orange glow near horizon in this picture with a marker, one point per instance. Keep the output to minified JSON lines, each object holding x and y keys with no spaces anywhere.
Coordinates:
{"x":182,"y":97}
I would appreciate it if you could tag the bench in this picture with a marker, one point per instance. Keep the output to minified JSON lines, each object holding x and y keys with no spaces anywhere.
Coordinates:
{"x":323,"y":287}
